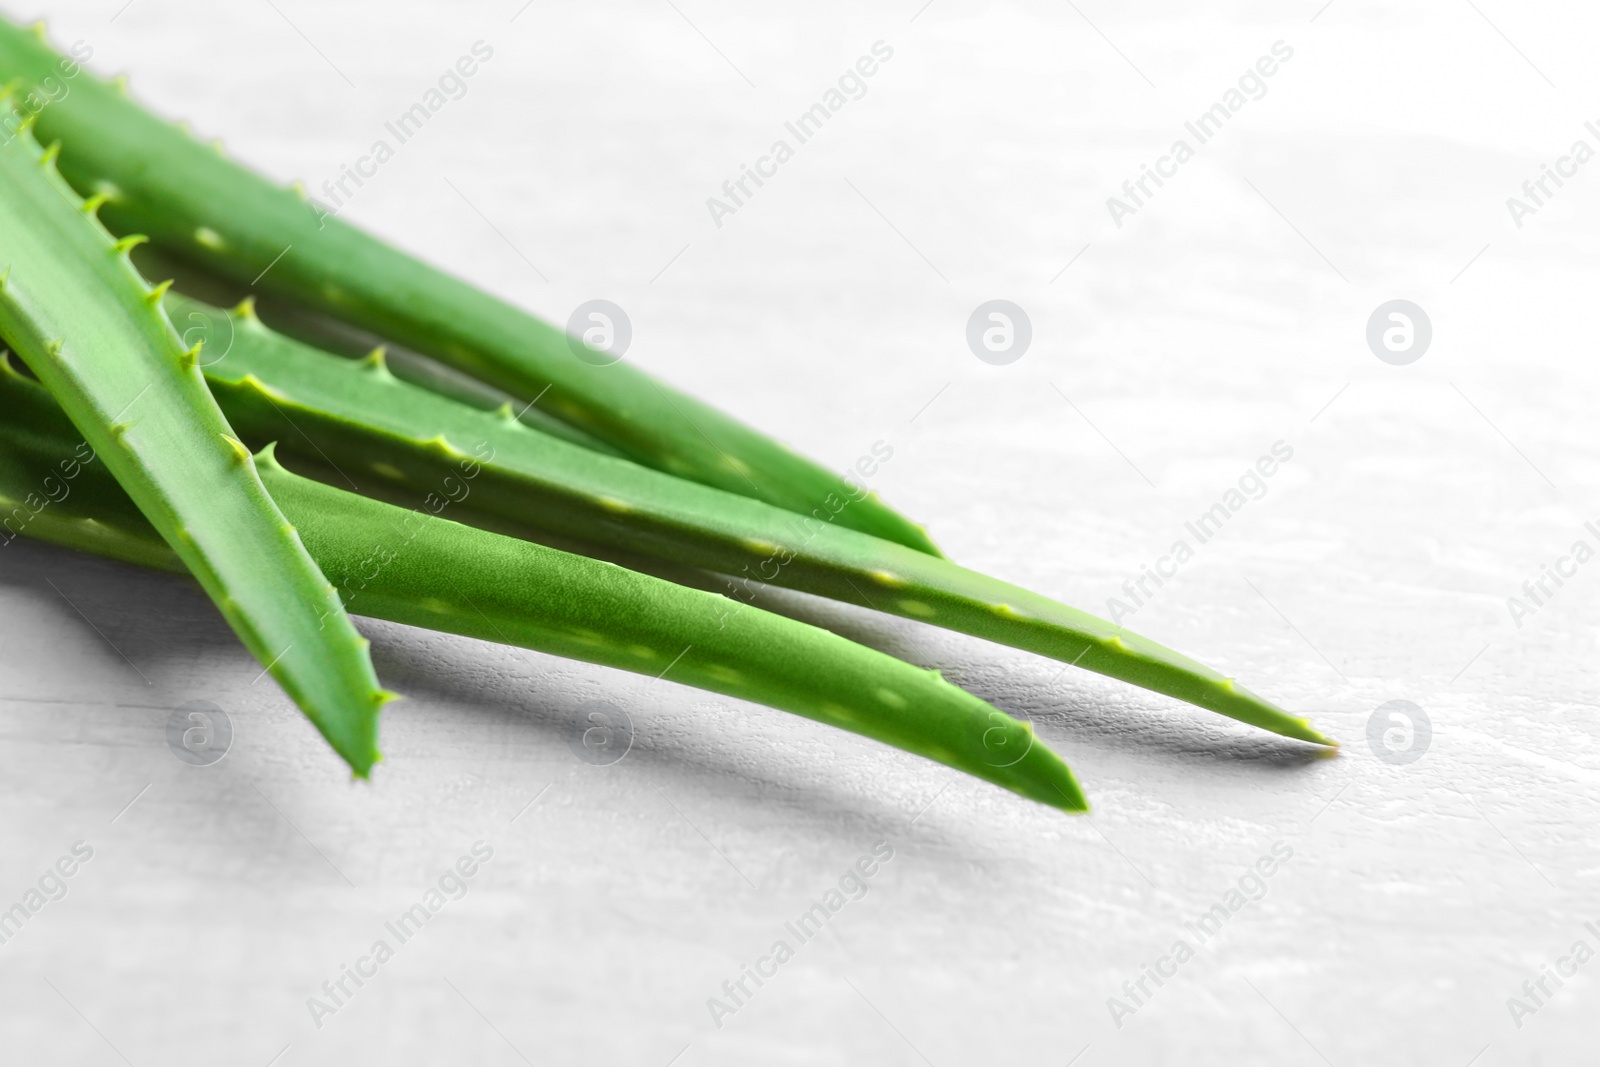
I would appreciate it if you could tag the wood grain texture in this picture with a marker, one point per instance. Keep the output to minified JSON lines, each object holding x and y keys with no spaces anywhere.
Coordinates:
{"x":1418,"y":898}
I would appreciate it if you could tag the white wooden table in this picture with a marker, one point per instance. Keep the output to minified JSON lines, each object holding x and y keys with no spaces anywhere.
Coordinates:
{"x":1408,"y":901}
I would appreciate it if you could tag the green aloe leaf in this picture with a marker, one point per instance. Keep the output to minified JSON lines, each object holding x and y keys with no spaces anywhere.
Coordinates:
{"x":78,"y":313}
{"x":370,"y":425}
{"x":424,"y":570}
{"x":196,"y":204}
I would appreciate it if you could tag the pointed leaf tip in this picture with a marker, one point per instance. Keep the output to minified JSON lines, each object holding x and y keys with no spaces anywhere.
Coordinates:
{"x":1072,"y":799}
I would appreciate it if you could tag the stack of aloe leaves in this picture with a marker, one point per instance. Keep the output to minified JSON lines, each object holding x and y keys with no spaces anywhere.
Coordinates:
{"x":141,"y":423}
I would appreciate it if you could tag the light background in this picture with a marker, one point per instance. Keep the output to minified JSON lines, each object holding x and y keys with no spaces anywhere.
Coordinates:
{"x":830,"y":311}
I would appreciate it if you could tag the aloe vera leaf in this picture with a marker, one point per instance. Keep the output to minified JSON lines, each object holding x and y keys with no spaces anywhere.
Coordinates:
{"x":329,"y":335}
{"x":359,"y":417}
{"x":196,"y":204}
{"x":424,"y":570}
{"x":85,"y":322}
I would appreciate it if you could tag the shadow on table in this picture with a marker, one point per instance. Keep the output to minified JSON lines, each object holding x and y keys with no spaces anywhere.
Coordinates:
{"x":151,"y":618}
{"x":1063,"y":701}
